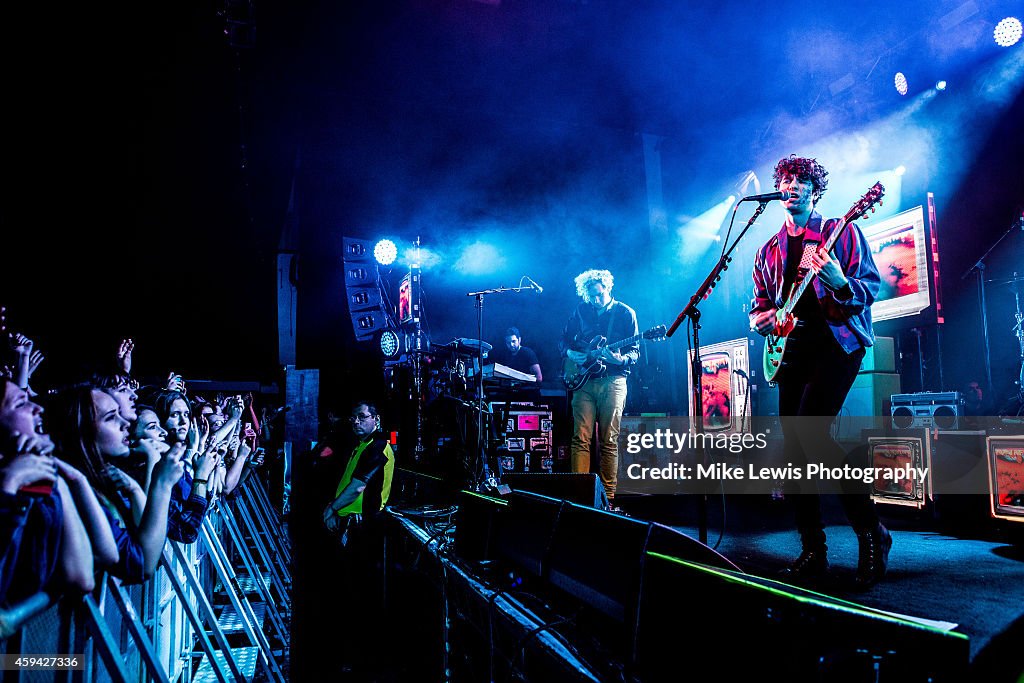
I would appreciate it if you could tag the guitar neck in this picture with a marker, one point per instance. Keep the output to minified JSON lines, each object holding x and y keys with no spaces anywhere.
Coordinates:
{"x":809,"y":277}
{"x":625,"y":342}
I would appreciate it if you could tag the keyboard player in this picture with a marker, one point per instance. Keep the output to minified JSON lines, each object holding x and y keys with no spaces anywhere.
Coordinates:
{"x":517,"y":356}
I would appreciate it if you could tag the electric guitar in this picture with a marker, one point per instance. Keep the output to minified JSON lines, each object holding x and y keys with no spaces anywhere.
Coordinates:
{"x":775,"y":344}
{"x":575,"y":376}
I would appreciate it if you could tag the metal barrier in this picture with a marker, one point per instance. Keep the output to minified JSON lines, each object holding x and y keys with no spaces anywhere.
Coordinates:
{"x":168,"y":630}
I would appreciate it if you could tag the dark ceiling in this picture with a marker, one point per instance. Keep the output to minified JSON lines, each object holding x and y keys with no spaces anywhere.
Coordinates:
{"x":152,"y":153}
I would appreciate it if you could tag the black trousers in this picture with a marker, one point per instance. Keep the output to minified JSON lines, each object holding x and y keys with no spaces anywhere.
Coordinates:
{"x":812,"y":389}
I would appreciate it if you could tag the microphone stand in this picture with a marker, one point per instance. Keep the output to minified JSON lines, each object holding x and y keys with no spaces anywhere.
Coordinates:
{"x":979,"y":266}
{"x":486,"y":480}
{"x":693,"y":313}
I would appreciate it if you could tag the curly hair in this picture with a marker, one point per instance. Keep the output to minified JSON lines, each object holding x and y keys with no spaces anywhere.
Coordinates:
{"x":589,"y":277}
{"x":804,"y":169}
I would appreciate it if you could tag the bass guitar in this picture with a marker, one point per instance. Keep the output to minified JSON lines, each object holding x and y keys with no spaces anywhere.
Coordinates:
{"x":775,"y":344}
{"x":575,"y":376}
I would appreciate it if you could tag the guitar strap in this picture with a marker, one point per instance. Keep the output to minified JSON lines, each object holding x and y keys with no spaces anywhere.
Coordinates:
{"x":611,"y":321}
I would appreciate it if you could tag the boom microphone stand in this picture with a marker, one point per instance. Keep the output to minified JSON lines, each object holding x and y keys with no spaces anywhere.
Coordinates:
{"x":486,"y":479}
{"x":693,"y":313}
{"x":979,"y":266}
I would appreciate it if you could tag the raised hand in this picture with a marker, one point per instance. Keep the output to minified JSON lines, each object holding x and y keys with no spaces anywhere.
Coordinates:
{"x":170,"y":468}
{"x":124,"y":356}
{"x":153,"y":449}
{"x":35,"y":360}
{"x":205,"y":463}
{"x":194,"y":437}
{"x":175,"y":382}
{"x":21,"y":344}
{"x":235,"y":407}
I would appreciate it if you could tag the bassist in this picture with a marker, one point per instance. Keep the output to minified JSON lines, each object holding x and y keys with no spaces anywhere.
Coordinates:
{"x":600,"y":401}
{"x":827,"y":337}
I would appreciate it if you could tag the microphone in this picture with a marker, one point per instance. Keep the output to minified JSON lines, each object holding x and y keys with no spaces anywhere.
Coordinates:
{"x":540,"y":290}
{"x":782,"y":195}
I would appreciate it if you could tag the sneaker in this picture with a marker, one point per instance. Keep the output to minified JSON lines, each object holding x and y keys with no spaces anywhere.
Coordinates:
{"x":811,"y":565}
{"x":874,"y":556}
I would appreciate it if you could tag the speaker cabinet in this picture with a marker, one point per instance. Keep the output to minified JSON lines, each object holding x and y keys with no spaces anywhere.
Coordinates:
{"x":579,"y":488}
{"x":941,"y":410}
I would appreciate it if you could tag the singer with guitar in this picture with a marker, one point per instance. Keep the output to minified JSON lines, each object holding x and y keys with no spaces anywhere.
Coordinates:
{"x":601,"y":398}
{"x":824,"y":338}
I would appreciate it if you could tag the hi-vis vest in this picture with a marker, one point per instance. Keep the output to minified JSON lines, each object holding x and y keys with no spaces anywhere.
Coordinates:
{"x":356,"y":506}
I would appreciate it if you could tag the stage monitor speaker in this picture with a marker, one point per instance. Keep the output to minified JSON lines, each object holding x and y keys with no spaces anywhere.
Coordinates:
{"x":579,"y":488}
{"x":523,"y":531}
{"x":942,"y":410}
{"x":668,"y":541}
{"x":786,"y":633}
{"x":475,"y":525}
{"x":597,"y":557}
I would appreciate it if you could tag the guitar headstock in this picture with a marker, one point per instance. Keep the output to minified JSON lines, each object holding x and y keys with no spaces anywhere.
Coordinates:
{"x":656,"y":333}
{"x":866,"y":203}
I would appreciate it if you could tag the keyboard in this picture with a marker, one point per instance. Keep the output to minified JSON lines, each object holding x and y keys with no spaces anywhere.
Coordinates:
{"x":497,"y":371}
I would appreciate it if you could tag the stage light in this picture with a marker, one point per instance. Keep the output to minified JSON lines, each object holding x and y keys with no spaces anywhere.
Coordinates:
{"x":900,"y":170}
{"x":940,"y":85}
{"x":385,"y":252}
{"x":901,"y":83}
{"x":390,"y":344}
{"x":1007,"y":32}
{"x":354,"y":250}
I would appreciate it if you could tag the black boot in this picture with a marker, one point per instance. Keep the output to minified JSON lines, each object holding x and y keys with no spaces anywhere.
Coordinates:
{"x":874,"y":556}
{"x":811,"y":565}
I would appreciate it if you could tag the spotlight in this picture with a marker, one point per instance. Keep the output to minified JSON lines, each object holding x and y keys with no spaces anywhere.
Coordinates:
{"x":1007,"y":32}
{"x":390,"y":345}
{"x":385,"y":252}
{"x":901,"y":83}
{"x":940,"y":85}
{"x":900,"y":170}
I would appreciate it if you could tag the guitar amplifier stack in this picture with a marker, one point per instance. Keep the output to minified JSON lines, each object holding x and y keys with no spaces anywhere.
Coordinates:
{"x":528,"y":437}
{"x":941,"y":410}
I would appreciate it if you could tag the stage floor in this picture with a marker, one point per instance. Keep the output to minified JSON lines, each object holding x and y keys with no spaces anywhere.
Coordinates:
{"x":956,"y":568}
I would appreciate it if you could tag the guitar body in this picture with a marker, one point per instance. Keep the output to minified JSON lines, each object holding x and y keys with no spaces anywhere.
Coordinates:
{"x":774,"y":348}
{"x":575,"y":376}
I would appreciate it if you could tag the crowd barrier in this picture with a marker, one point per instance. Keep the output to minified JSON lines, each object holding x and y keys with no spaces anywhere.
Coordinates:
{"x":216,"y":610}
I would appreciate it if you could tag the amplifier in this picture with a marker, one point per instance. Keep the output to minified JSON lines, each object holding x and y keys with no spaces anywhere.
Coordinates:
{"x":942,"y":410}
